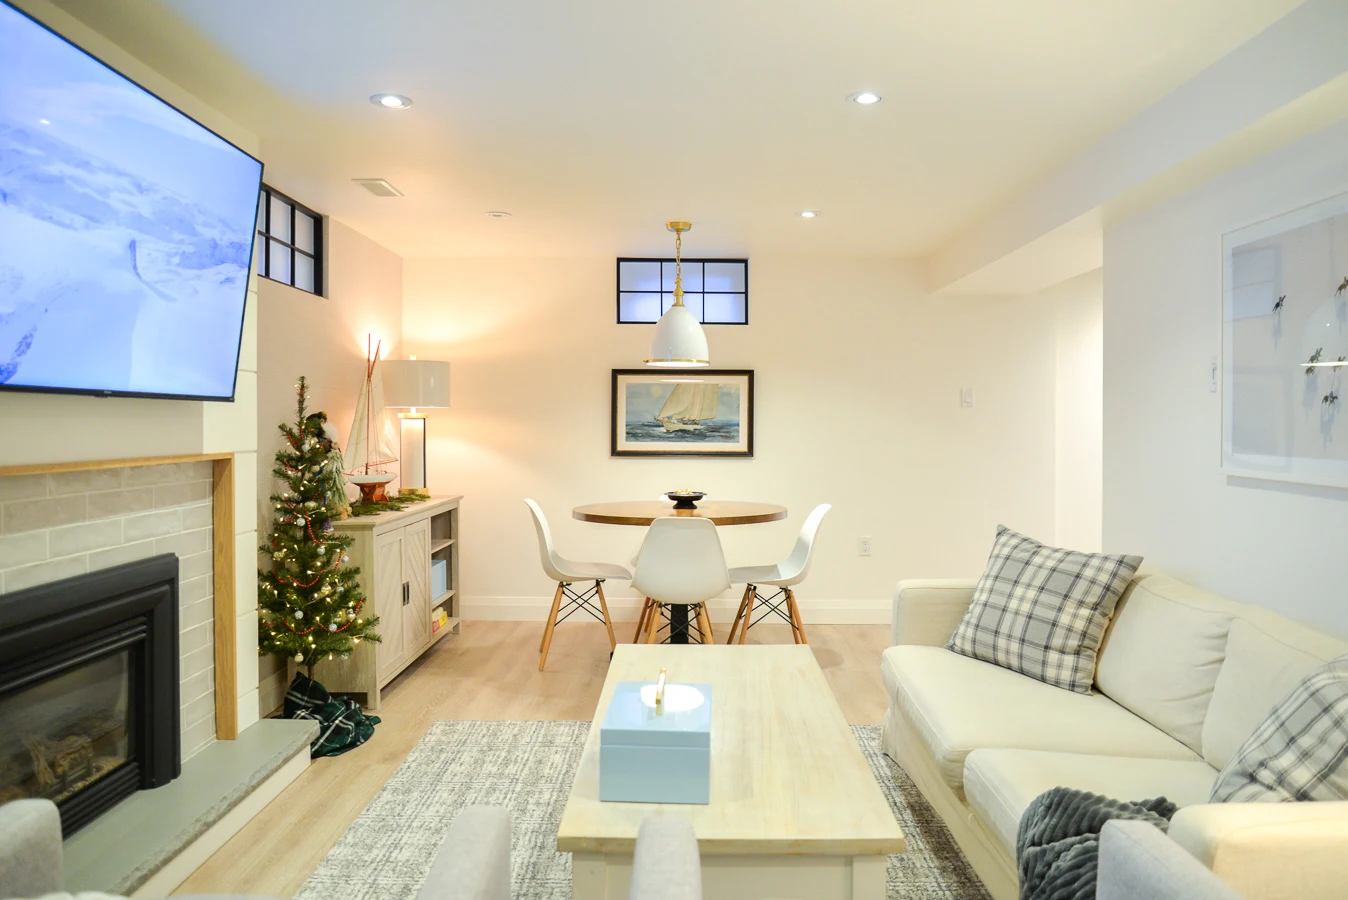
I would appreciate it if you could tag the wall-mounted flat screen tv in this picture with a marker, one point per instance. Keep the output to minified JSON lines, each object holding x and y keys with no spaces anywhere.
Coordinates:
{"x":126,"y":230}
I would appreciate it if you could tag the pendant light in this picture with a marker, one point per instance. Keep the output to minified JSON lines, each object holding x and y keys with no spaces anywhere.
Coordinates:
{"x":679,"y":342}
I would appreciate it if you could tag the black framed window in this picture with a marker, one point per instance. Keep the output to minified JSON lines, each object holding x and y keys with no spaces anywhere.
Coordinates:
{"x":290,"y":242}
{"x":716,"y":291}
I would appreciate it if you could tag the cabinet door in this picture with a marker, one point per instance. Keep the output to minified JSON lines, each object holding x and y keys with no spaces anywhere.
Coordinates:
{"x":388,"y":601}
{"x":417,"y":574}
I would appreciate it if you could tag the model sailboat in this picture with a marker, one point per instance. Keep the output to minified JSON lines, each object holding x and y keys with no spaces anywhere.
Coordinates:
{"x":370,"y":445}
{"x":688,"y":406}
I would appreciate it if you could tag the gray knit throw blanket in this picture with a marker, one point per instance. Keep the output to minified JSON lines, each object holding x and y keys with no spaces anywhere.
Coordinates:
{"x":1058,"y":843}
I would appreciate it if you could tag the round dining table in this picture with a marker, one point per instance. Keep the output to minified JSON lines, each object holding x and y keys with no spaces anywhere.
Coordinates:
{"x":644,"y":512}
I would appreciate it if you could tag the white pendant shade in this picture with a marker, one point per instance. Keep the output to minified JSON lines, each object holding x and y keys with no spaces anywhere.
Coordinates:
{"x":416,"y":383}
{"x":679,"y":342}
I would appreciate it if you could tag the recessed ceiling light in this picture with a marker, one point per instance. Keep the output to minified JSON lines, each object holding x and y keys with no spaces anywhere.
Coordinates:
{"x":808,"y":213}
{"x":391,"y":101}
{"x":497,"y":214}
{"x":865,"y":98}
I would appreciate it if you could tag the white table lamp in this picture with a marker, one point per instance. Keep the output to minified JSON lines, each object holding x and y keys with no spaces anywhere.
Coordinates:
{"x":415,"y":384}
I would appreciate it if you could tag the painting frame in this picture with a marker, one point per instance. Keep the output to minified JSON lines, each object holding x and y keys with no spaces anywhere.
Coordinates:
{"x":1279,"y":278}
{"x":622,"y":444}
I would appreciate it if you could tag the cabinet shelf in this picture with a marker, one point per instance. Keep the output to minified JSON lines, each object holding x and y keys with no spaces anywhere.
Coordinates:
{"x":437,"y":546}
{"x":440,"y":601}
{"x":451,"y":627}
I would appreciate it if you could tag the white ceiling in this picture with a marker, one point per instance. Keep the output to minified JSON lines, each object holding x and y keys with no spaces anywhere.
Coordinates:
{"x":594,"y":121}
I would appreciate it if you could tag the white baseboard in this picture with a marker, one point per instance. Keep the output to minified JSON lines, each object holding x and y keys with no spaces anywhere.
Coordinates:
{"x":625,"y":609}
{"x":167,"y":879}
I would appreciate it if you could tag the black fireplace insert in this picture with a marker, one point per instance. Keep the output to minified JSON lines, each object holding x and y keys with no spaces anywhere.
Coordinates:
{"x":89,"y":709}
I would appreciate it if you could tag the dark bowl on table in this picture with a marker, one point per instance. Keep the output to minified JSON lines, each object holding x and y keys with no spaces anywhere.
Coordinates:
{"x":685,"y":499}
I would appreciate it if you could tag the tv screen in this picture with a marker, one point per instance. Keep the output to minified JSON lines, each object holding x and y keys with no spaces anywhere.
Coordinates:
{"x":126,"y":230}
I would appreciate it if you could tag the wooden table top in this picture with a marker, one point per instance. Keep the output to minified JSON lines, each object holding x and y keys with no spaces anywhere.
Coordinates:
{"x":787,"y":776}
{"x":644,"y":512}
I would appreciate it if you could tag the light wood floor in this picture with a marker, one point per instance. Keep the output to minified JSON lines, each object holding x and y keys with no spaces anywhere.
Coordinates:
{"x":488,"y":672}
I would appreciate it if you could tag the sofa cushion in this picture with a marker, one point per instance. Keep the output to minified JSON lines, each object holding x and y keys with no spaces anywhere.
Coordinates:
{"x":1042,"y":611}
{"x":999,"y":784}
{"x":957,"y":704}
{"x":1163,"y":652}
{"x":1265,"y":658}
{"x":1298,"y":752}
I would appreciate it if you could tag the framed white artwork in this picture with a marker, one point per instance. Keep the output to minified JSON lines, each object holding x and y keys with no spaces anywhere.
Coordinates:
{"x":1285,"y":347}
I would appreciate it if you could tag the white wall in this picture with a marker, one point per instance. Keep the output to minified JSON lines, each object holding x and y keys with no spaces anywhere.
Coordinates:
{"x":1279,"y":546}
{"x":322,"y":338}
{"x":40,"y":428}
{"x":1078,"y":312}
{"x":858,"y":384}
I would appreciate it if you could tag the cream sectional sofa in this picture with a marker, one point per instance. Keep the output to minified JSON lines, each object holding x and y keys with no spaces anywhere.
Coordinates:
{"x":1184,"y":676}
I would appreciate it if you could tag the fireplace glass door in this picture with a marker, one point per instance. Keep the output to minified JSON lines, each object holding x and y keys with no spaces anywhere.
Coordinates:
{"x":63,"y":734}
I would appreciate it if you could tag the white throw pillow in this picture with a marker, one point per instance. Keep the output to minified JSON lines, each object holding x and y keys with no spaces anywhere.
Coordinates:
{"x":1042,"y":611}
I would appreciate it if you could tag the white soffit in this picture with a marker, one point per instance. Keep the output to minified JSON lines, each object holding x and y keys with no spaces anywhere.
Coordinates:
{"x":1211,"y":120}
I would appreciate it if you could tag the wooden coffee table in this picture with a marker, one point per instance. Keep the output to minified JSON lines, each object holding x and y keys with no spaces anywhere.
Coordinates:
{"x":795,"y":813}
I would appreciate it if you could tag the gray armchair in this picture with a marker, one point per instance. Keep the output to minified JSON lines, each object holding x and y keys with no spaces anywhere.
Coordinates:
{"x":30,"y":849}
{"x":1139,"y":862}
{"x":472,"y":864}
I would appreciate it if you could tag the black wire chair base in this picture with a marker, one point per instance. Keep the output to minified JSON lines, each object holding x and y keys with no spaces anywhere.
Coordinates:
{"x":778,"y":604}
{"x":575,"y":602}
{"x":681,"y":629}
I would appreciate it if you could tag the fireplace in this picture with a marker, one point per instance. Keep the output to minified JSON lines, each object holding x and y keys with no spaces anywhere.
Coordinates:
{"x":89,"y":688}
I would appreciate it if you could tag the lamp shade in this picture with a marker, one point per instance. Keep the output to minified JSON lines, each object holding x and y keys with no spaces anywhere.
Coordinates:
{"x":679,"y":342}
{"x":416,"y":383}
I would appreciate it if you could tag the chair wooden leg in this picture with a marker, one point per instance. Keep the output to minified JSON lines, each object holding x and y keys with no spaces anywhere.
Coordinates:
{"x":739,"y":614}
{"x":748,"y":613}
{"x":797,"y":626}
{"x":547,"y":629}
{"x":641,"y":621}
{"x":708,"y":635}
{"x":653,"y":625}
{"x":608,"y":623}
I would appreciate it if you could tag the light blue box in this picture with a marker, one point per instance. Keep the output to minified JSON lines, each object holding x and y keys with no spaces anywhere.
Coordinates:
{"x":439,"y":578}
{"x":649,"y":758}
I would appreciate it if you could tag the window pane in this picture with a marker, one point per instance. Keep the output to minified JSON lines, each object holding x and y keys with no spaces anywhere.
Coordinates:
{"x":262,"y":211}
{"x":304,"y":272}
{"x":692,"y":276}
{"x":260,"y":254}
{"x":725,"y":277}
{"x":692,"y":301}
{"x":639,"y":276}
{"x":725,"y":309}
{"x":279,"y":227}
{"x":279,"y":264}
{"x":304,"y":232}
{"x":638,"y":307}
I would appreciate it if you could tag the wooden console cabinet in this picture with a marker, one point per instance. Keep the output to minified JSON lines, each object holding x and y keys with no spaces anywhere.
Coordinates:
{"x":394,"y":551}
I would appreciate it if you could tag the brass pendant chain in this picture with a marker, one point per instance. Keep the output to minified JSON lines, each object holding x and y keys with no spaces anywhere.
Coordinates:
{"x":678,"y":267}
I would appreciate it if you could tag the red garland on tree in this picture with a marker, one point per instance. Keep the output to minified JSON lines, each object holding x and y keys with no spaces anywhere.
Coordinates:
{"x":310,"y":603}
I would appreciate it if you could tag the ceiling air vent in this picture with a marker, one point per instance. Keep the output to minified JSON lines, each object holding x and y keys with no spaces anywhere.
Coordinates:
{"x":378,"y":186}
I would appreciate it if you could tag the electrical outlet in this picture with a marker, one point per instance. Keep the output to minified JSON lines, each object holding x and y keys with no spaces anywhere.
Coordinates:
{"x":966,"y":397}
{"x":864,"y":546}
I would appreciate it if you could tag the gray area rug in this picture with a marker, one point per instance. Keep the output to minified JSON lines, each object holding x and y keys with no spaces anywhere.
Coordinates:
{"x":527,"y":767}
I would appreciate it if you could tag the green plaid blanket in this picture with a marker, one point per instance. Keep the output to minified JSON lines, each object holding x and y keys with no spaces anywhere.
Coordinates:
{"x":341,"y":724}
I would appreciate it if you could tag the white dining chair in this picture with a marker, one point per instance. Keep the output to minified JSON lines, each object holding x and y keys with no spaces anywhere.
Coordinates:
{"x":567,"y":572}
{"x":783,"y":576}
{"x":680,"y":564}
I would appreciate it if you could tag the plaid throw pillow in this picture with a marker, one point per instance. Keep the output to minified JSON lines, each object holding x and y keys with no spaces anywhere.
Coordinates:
{"x":1042,"y":611}
{"x":1298,"y":751}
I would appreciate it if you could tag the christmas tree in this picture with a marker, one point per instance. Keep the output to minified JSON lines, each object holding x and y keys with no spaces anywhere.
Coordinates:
{"x":310,"y":602}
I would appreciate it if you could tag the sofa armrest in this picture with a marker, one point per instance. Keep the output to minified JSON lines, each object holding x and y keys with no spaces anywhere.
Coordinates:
{"x":30,"y":849}
{"x":927,"y":611}
{"x":1270,"y":851}
{"x":666,"y":864}
{"x":473,"y":863}
{"x":1138,"y":862}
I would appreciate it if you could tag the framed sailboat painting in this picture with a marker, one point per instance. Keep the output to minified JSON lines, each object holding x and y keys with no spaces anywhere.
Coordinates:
{"x":697,"y":412}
